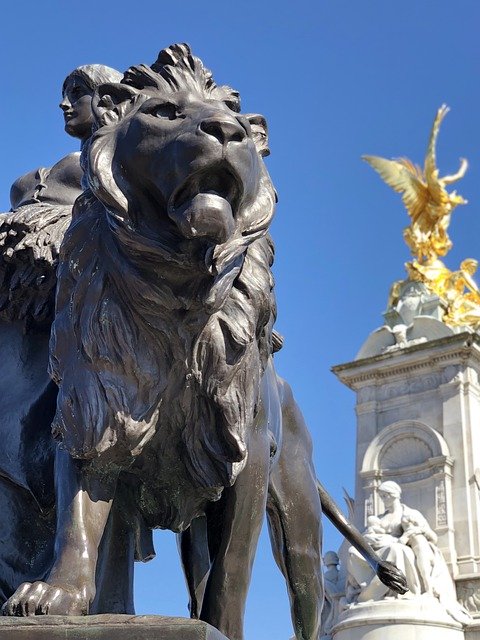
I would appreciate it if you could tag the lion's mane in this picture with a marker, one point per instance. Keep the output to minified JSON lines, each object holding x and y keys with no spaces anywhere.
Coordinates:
{"x":136,"y":360}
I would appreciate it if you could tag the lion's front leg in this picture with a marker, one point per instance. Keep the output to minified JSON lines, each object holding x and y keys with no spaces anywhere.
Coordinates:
{"x":234,"y":526}
{"x":83,"y":503}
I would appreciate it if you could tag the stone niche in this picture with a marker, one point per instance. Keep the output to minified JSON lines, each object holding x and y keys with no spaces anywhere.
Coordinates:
{"x":416,"y":457}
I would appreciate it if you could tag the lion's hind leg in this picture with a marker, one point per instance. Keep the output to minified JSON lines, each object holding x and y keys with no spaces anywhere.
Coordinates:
{"x":115,"y":565}
{"x":294,"y":520}
{"x":194,"y":554}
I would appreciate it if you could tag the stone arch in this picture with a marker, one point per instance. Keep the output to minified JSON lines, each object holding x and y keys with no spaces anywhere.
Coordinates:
{"x":417,"y":457}
{"x":407,"y":443}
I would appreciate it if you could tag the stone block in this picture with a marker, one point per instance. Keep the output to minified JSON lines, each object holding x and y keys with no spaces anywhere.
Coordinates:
{"x":106,"y":627}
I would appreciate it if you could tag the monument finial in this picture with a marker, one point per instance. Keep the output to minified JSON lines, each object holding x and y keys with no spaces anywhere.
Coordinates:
{"x":430,"y":205}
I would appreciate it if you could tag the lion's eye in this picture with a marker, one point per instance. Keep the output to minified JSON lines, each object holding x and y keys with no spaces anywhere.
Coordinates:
{"x":233,"y":105}
{"x":166,"y":110}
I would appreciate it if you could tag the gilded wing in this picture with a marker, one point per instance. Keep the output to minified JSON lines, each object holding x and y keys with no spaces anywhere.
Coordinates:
{"x":435,"y":185}
{"x":404,"y":178}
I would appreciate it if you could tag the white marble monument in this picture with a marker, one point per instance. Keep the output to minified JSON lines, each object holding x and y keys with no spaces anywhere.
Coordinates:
{"x":417,"y":385}
{"x":418,"y":425}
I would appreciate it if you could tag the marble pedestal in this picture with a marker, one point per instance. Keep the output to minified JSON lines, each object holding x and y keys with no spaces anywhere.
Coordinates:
{"x":106,"y":627}
{"x":419,"y":619}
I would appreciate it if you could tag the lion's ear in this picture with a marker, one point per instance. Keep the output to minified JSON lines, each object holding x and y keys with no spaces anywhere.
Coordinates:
{"x":112,"y":101}
{"x":259,"y":132}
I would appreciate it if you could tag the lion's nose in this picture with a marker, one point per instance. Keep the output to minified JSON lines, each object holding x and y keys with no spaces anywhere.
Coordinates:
{"x":224,"y":130}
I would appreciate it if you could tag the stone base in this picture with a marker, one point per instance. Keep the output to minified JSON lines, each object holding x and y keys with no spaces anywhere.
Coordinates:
{"x":106,"y":627}
{"x":472,"y":631}
{"x":416,"y":619}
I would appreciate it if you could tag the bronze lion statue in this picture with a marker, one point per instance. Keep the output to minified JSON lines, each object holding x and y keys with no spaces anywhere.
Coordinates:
{"x":162,"y":337}
{"x":169,"y":411}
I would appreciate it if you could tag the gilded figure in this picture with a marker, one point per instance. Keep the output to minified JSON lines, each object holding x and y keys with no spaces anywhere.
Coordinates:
{"x":429,"y":205}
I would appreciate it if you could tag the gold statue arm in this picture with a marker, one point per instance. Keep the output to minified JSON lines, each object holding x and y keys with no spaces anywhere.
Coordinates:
{"x":457,"y":176}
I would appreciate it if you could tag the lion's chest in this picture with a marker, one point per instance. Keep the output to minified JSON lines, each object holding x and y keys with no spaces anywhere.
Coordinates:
{"x":168,"y":496}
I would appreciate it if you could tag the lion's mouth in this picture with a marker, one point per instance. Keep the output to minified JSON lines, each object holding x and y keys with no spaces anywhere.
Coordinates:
{"x":206,"y":204}
{"x":219,"y":182}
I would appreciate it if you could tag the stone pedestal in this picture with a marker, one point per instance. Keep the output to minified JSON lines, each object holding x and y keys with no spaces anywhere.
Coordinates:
{"x":418,"y":423}
{"x":106,"y":627}
{"x":419,"y":619}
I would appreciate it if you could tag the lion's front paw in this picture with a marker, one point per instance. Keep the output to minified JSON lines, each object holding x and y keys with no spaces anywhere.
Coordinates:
{"x":40,"y":598}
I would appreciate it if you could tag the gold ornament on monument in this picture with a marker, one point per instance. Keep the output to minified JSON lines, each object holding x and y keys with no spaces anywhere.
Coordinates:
{"x":430,"y":206}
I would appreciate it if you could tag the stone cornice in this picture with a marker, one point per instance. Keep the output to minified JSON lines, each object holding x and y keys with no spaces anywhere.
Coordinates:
{"x":462,"y":348}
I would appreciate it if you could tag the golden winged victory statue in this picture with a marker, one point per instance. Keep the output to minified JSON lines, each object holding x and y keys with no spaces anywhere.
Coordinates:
{"x":430,"y":206}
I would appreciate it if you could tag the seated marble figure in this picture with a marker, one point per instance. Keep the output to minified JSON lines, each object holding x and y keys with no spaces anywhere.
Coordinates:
{"x":403,"y":536}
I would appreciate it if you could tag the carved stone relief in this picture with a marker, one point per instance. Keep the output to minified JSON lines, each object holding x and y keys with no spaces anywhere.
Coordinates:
{"x":441,"y":505}
{"x":468,"y":593}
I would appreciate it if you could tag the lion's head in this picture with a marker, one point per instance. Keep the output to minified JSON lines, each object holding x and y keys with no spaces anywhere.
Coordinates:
{"x":166,"y":299}
{"x":174,"y":159}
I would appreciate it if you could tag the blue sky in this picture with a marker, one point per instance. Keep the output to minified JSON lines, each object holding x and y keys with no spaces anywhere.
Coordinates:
{"x":335,"y":79}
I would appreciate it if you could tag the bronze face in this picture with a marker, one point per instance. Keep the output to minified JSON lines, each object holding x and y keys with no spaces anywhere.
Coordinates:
{"x":76,"y":106}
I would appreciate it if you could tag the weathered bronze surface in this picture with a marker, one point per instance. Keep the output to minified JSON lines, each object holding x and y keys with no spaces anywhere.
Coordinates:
{"x":169,"y":412}
{"x":160,"y":344}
